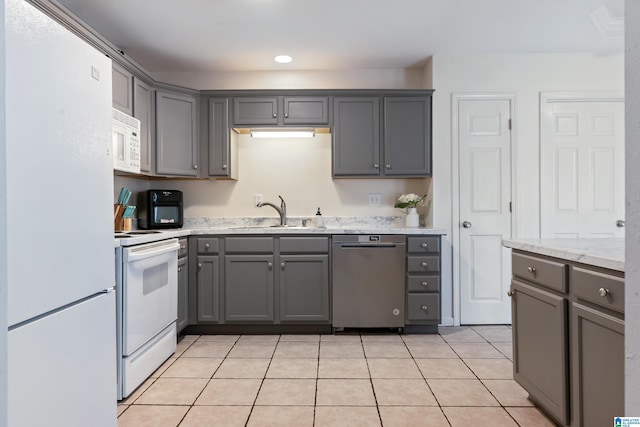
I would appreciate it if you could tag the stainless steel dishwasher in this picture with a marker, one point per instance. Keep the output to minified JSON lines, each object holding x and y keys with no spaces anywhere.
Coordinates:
{"x":368,"y":281}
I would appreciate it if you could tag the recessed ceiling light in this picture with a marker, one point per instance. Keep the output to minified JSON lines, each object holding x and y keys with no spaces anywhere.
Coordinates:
{"x":283,"y":59}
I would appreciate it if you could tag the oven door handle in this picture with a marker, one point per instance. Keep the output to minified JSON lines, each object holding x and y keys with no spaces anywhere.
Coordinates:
{"x":143,"y":253}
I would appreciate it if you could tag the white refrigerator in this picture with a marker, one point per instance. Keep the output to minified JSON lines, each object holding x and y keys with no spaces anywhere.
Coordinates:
{"x":61,"y":343}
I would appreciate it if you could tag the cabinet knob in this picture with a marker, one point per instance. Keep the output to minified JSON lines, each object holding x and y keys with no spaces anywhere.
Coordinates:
{"x":270,"y":265}
{"x":182,"y":246}
{"x":286,"y":116}
{"x":424,"y":307}
{"x":207,"y":245}
{"x":274,"y":115}
{"x":195,"y":167}
{"x":466,"y":224}
{"x":179,"y":269}
{"x":620,"y":223}
{"x":375,"y":165}
{"x":424,"y":245}
{"x":603,"y":292}
{"x":224,"y":166}
{"x":510,"y":293}
{"x":425,"y":283}
{"x":388,"y":166}
{"x":282,"y":264}
{"x":532,"y":271}
{"x":199,"y":265}
{"x":423,"y":263}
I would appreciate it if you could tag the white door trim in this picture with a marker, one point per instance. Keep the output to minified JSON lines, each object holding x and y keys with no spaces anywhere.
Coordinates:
{"x":549,"y":98}
{"x":456,"y":98}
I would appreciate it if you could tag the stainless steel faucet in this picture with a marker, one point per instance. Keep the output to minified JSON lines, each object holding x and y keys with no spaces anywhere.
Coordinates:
{"x":282,"y":210}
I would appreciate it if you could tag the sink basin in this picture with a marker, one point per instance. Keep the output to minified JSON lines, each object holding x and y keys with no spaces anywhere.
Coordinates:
{"x":267,"y":227}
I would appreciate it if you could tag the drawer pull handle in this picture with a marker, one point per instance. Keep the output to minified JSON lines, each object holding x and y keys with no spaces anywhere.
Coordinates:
{"x":425,"y":283}
{"x":510,"y":293}
{"x":532,"y":270}
{"x":424,"y":264}
{"x":207,"y":245}
{"x":424,"y":307}
{"x":603,"y":292}
{"x":424,"y":245}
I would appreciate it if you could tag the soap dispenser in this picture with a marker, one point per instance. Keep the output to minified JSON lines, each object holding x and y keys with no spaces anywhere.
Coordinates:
{"x":319,"y":219}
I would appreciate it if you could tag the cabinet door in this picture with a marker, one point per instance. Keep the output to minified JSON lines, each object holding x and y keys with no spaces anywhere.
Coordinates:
{"x":407,"y":136}
{"x":249,"y":288}
{"x":255,"y":111}
{"x":208,"y":286}
{"x":219,"y":139}
{"x":356,"y":136}
{"x":304,"y":288}
{"x":142,"y":111}
{"x":122,"y":89}
{"x":300,"y":110}
{"x":176,"y":142}
{"x":540,"y":354}
{"x":183,"y":294}
{"x":597,"y":366}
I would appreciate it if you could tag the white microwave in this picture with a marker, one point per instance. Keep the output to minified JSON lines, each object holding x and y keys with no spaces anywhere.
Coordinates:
{"x":126,"y":142}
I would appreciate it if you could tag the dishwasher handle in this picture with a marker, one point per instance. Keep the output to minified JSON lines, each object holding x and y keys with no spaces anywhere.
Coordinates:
{"x":368,"y":245}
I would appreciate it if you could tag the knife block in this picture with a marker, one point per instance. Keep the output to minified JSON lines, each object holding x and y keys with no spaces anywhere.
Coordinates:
{"x":120,"y":223}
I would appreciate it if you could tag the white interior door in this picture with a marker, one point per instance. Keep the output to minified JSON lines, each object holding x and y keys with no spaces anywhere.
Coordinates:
{"x":582,"y":166}
{"x":484,"y":142}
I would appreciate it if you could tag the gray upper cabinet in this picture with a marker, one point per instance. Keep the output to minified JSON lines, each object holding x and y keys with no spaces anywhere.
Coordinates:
{"x":301,"y":110}
{"x":221,"y":154}
{"x":356,"y":136}
{"x":142,"y":110}
{"x":397,"y":146}
{"x":407,"y":136}
{"x":122,"y":88}
{"x":176,"y":141}
{"x":255,"y":111}
{"x":281,"y":111}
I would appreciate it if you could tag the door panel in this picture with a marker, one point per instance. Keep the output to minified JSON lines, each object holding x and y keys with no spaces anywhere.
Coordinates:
{"x":582,"y":164}
{"x":484,"y":141}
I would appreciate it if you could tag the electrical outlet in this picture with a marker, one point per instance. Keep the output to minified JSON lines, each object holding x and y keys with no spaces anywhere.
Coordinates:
{"x":375,"y":199}
{"x":257,"y":198}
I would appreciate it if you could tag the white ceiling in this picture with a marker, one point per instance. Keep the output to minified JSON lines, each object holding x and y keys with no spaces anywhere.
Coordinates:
{"x":245,"y":35}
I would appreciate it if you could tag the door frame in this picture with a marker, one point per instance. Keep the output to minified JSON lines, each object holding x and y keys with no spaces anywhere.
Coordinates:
{"x":549,"y":98}
{"x":456,"y":98}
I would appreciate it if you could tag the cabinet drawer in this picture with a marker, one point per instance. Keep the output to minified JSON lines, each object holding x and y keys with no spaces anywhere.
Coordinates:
{"x":423,"y":283}
{"x":304,"y":244}
{"x":208,"y":245}
{"x":182,"y":252}
{"x":423,"y":244}
{"x":599,"y":288}
{"x":423,"y":307}
{"x":550,"y":274}
{"x":423,"y":264}
{"x":253,"y":245}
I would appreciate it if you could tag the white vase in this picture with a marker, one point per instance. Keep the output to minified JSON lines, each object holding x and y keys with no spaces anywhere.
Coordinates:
{"x":413,"y":220}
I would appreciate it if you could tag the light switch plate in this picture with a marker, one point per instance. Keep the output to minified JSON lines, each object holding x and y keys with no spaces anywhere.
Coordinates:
{"x":375,"y":199}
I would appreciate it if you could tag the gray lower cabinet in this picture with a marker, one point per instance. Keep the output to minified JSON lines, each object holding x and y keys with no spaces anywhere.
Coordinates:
{"x":423,"y":280}
{"x":248,"y":288}
{"x":568,"y":338}
{"x":121,"y":88}
{"x":183,"y":287}
{"x":177,"y":151}
{"x":204,"y":301}
{"x":142,"y":110}
{"x":540,"y":351}
{"x":356,"y":136}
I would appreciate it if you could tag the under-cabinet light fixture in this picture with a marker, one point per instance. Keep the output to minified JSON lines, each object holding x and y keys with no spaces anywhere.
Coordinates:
{"x":282,"y":133}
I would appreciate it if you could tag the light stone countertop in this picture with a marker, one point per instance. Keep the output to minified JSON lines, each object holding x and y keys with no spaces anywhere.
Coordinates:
{"x":603,"y":252}
{"x":264,"y":226}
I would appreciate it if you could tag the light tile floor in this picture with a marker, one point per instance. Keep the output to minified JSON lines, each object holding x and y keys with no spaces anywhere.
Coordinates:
{"x":459,"y":377}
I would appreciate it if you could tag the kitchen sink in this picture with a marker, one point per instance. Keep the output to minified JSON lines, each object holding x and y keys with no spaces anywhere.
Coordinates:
{"x":268,"y":227}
